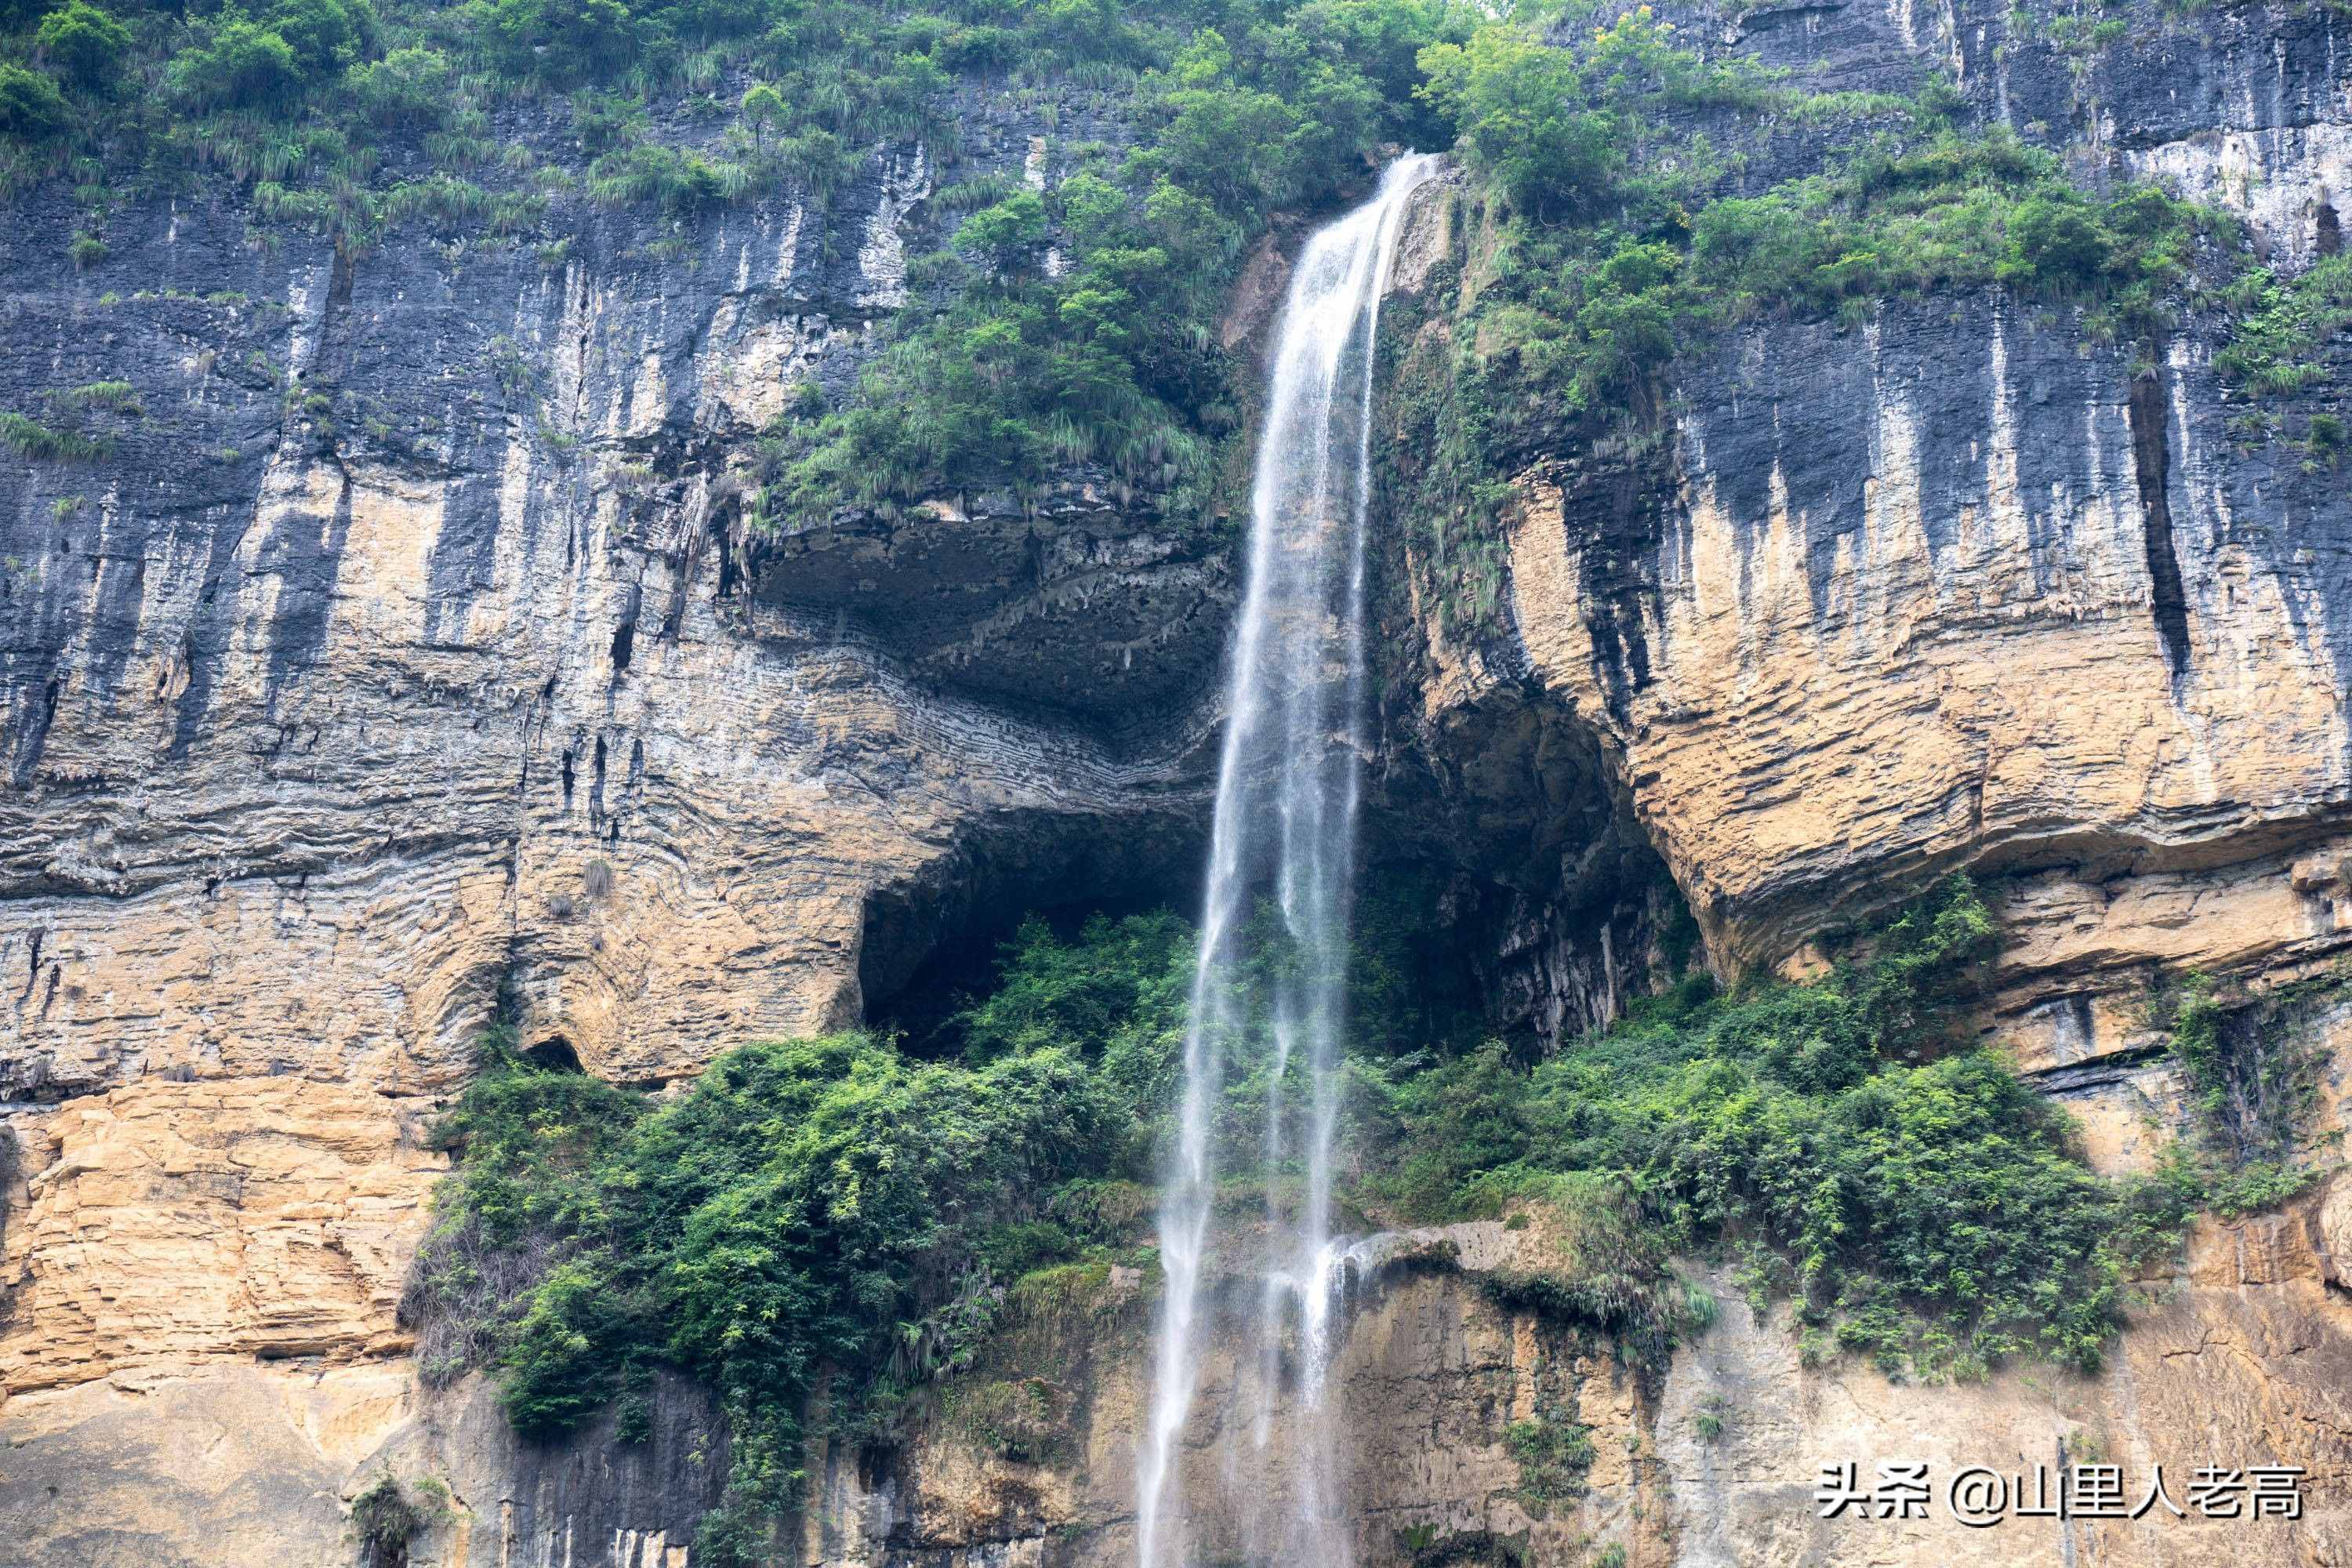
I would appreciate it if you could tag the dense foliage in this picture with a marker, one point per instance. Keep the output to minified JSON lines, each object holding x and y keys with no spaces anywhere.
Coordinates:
{"x":1920,"y":1202}
{"x":809,"y":1205}
{"x":1620,"y":241}
{"x":1908,"y":1190}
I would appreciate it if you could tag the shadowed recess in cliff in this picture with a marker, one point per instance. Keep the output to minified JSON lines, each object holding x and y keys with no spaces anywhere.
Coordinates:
{"x":2152,"y":466}
{"x":1089,"y":599}
{"x":924,"y":940}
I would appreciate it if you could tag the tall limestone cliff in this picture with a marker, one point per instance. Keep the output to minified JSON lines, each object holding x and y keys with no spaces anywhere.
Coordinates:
{"x":409,"y":662}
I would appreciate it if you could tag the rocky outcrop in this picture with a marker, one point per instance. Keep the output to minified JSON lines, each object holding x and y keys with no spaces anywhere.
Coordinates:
{"x":169,"y":1222}
{"x":1433,"y":1376}
{"x":2241,"y":1360}
{"x":1952,"y":586}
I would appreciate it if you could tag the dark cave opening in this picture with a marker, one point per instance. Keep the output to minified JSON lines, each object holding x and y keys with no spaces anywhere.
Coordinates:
{"x":931,"y":943}
{"x":964,"y":967}
{"x":554,"y":1054}
{"x":1456,"y":953}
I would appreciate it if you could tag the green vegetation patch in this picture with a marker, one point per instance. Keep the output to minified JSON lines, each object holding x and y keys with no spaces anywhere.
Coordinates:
{"x":1554,"y":1455}
{"x":1613,"y":244}
{"x":1018,"y":361}
{"x":386,"y":1516}
{"x":31,"y":439}
{"x":1921,"y":1204}
{"x":1612,"y":233}
{"x":809,"y":1207}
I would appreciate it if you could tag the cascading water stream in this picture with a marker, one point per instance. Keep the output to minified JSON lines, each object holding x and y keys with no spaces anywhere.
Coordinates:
{"x":1283,"y":831}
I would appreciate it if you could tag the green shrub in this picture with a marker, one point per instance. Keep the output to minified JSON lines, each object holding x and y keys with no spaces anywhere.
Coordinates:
{"x":384,"y":1518}
{"x":408,"y":88}
{"x":2253,"y":1078}
{"x":559,"y":41}
{"x":1005,"y":238}
{"x":2057,"y":241}
{"x":1554,"y":1455}
{"x":808,"y":1204}
{"x":31,"y":109}
{"x":84,"y":44}
{"x":325,"y":35}
{"x":31,"y":439}
{"x":1519,"y":105}
{"x":2274,"y":348}
{"x":239,"y":65}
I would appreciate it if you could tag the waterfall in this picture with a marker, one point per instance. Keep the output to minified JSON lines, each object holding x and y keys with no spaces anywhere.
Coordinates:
{"x":1284,"y":832}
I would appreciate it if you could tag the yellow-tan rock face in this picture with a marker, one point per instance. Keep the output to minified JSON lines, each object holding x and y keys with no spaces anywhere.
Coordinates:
{"x":1987,"y":701}
{"x":2239,"y":1360}
{"x":2243,"y":1360}
{"x":165,"y":1224}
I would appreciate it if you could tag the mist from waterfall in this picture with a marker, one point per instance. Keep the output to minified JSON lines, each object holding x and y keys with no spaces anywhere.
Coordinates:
{"x":1284,"y":833}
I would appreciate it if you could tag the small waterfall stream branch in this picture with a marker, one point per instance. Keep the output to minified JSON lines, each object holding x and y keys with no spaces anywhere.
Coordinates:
{"x":1283,"y":839}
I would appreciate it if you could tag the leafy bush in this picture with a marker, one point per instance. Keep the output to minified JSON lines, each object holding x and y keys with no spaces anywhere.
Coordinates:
{"x":384,"y":1518}
{"x":809,"y":1204}
{"x":325,"y":35}
{"x":1005,"y":238}
{"x":1516,"y":104}
{"x":85,"y":44}
{"x":563,"y":42}
{"x":2056,"y":240}
{"x":409,"y":87}
{"x":31,"y":108}
{"x":239,"y":65}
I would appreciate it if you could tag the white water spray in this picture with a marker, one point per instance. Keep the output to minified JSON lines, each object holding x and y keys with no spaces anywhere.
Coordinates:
{"x":1285,"y":830}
